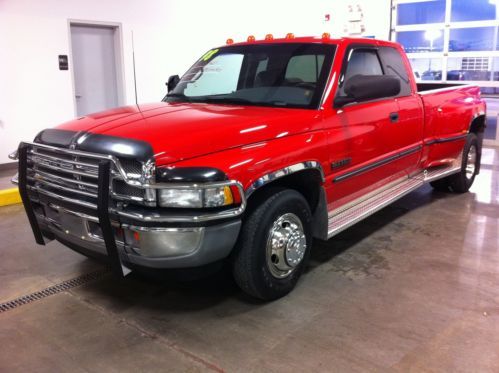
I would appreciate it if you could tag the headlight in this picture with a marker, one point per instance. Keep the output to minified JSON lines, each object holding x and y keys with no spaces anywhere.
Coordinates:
{"x":195,"y":197}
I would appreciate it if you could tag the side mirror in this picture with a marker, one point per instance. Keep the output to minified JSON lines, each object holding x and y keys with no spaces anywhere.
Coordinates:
{"x":172,"y":82}
{"x":368,"y":87}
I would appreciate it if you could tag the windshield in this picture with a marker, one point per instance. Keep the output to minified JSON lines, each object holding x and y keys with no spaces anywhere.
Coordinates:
{"x":282,"y":75}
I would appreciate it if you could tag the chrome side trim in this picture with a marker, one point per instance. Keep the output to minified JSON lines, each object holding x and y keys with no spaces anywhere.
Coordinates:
{"x":265,"y":179}
{"x":440,"y":173}
{"x":349,"y":214}
{"x":366,"y":196}
{"x":341,"y":218}
{"x":376,"y":164}
{"x":440,"y":140}
{"x":451,"y":87}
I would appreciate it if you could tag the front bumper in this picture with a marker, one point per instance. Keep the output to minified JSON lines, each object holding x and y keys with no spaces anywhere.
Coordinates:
{"x":151,"y":241}
{"x":143,"y":246}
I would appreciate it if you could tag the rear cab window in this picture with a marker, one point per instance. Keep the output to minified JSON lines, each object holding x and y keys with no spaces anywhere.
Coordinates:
{"x":305,"y":68}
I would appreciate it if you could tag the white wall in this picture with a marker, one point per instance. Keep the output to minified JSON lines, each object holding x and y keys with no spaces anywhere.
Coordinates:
{"x":169,"y":36}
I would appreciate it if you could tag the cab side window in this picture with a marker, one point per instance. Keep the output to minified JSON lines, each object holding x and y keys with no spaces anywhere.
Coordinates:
{"x":361,"y":61}
{"x":393,"y":65}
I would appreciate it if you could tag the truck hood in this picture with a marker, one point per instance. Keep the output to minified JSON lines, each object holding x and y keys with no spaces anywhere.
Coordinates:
{"x":177,"y":132}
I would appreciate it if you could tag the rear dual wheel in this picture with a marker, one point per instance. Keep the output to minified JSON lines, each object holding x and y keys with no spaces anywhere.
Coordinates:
{"x":274,"y":245}
{"x":463,"y":180}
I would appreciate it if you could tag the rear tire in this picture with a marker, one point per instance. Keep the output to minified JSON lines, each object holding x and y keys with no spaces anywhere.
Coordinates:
{"x":273,"y":246}
{"x":462,"y":181}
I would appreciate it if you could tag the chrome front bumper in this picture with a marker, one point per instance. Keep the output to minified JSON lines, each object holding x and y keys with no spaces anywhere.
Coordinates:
{"x":150,"y":247}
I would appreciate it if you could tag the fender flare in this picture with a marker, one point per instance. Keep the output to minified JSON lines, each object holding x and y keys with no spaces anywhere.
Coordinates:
{"x":320,"y":216}
{"x":285,"y":171}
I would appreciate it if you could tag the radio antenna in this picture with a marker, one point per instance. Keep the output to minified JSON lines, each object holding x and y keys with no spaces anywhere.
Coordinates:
{"x":134,"y":73}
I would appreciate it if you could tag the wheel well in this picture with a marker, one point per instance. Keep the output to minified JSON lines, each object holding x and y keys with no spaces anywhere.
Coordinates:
{"x":306,"y":182}
{"x":478,"y":125}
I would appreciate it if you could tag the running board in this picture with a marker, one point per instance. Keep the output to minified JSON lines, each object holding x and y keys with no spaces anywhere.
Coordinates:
{"x":350,"y":214}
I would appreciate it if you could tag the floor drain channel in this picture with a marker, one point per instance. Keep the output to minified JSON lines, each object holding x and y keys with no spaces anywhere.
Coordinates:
{"x":63,"y":286}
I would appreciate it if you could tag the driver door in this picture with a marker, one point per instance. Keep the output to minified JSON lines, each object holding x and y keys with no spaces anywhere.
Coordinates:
{"x":360,"y":152}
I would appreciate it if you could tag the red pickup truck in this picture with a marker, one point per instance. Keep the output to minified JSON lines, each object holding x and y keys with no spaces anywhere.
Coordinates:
{"x":259,"y":148}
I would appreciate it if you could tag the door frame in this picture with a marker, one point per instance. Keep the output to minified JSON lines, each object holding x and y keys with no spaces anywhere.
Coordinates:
{"x":118,"y":53}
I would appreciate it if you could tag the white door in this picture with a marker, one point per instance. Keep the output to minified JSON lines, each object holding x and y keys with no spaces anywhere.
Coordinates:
{"x":94,"y":68}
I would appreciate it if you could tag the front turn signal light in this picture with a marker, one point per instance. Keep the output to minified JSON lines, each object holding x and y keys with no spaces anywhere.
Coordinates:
{"x":229,"y":198}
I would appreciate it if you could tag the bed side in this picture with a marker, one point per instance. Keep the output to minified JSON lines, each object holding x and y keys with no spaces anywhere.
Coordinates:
{"x":451,"y":112}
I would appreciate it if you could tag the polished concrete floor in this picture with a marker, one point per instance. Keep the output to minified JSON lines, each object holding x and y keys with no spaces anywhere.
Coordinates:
{"x":413,"y":288}
{"x":5,"y":177}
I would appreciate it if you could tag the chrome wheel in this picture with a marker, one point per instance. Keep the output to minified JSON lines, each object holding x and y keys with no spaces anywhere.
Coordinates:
{"x":286,"y":245}
{"x":471,"y":162}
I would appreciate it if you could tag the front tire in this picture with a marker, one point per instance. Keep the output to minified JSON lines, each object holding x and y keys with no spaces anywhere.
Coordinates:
{"x":273,"y":246}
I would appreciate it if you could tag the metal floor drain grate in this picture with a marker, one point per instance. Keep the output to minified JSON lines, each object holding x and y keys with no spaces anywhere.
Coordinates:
{"x":63,"y":286}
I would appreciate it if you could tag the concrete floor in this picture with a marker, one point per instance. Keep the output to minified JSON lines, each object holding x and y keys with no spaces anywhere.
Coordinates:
{"x":413,"y":288}
{"x":5,"y":177}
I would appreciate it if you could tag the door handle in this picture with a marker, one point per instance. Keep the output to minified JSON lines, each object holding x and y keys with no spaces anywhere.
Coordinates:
{"x":394,"y":117}
{"x":78,"y":96}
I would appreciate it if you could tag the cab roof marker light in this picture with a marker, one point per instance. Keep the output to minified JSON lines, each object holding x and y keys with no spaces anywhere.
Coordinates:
{"x":290,"y":35}
{"x":326,"y":36}
{"x":229,"y":41}
{"x":251,"y":39}
{"x":269,"y":37}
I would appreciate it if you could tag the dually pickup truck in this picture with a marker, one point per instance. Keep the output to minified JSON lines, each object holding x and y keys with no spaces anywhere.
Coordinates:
{"x":261,"y":147}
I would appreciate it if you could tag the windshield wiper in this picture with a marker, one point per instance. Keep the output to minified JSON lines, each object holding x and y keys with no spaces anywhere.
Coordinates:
{"x":229,"y":100}
{"x":176,"y":95}
{"x":216,"y":99}
{"x":208,"y":99}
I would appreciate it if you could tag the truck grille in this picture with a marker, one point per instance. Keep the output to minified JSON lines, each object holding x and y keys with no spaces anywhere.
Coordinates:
{"x":74,"y":175}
